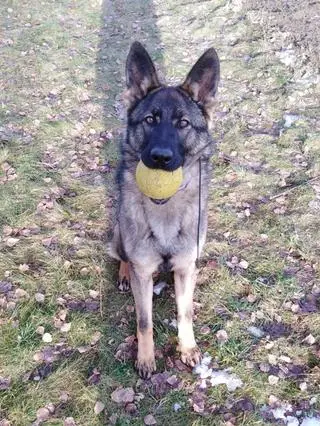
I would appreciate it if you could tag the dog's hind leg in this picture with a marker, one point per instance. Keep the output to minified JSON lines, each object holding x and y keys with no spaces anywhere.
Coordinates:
{"x":184,"y":281}
{"x":142,"y":288}
{"x":123,"y":283}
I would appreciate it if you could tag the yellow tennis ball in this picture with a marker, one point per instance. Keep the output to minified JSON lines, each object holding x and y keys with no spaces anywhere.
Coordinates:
{"x":157,"y":183}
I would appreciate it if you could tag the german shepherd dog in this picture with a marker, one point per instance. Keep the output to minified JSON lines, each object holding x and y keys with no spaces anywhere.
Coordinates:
{"x":167,"y":127}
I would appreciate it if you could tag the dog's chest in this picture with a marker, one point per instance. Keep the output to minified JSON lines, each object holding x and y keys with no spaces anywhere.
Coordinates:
{"x":165,"y":226}
{"x":170,"y":223}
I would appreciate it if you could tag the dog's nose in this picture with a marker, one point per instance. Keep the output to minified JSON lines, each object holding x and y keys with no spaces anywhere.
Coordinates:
{"x":161,"y":155}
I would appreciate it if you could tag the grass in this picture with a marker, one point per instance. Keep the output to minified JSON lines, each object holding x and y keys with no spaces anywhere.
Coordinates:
{"x":62,"y":67}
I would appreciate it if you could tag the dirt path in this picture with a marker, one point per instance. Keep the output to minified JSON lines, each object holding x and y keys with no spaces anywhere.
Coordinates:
{"x":66,"y":335}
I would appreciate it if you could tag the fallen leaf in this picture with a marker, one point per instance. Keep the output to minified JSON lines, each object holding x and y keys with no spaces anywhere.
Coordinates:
{"x":67,"y":264}
{"x":95,"y":338}
{"x":243,"y":264}
{"x":24,"y":267}
{"x":131,"y":408}
{"x":251,"y":298}
{"x":123,"y":395}
{"x":4,"y":383}
{"x":127,"y":349}
{"x":222,"y":336}
{"x":180,"y":365}
{"x":20,"y":293}
{"x":284,"y":358}
{"x":197,"y":402}
{"x":47,"y":242}
{"x":94,"y":294}
{"x":149,"y":420}
{"x":212,"y":264}
{"x":309,"y":304}
{"x":47,"y":338}
{"x":62,"y":314}
{"x":205,"y":330}
{"x":69,"y":421}
{"x":159,"y":383}
{"x":264,"y":367}
{"x":64,"y":396}
{"x":40,"y":330}
{"x":99,"y":407}
{"x":273,"y":380}
{"x":173,"y":381}
{"x":303,"y":386}
{"x":310,"y":340}
{"x":43,"y":414}
{"x":39,"y":297}
{"x":65,"y":327}
{"x":272,"y":359}
{"x":130,"y":309}
{"x":51,"y":407}
{"x":273,"y":400}
{"x":84,"y":272}
{"x":83,"y":349}
{"x":94,"y":379}
{"x":5,"y":287}
{"x":7,"y":230}
{"x":38,"y":357}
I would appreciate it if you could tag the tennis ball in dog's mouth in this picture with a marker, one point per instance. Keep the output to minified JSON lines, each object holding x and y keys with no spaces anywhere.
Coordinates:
{"x":157,"y":183}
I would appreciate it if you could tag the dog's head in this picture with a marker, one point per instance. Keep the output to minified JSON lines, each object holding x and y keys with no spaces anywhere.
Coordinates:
{"x":168,"y":124}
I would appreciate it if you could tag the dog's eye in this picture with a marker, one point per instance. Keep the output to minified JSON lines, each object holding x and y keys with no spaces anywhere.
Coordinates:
{"x":183,"y":123}
{"x":150,"y":119}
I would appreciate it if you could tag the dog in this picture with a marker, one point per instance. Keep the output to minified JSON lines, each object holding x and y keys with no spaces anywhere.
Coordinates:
{"x":167,"y":128}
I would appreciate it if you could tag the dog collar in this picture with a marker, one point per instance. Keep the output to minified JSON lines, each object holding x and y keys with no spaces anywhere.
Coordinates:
{"x":161,"y":201}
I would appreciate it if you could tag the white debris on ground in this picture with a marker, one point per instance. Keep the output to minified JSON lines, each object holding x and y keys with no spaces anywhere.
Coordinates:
{"x":292,"y":421}
{"x":311,"y":421}
{"x":176,"y":406}
{"x":280,"y":412}
{"x":216,"y":377}
{"x":290,"y":119}
{"x":284,"y":412}
{"x":223,"y":377}
{"x":171,"y":323}
{"x":157,"y":289}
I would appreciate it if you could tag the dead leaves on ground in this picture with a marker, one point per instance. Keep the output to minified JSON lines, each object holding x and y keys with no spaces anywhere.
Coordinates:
{"x":8,"y":173}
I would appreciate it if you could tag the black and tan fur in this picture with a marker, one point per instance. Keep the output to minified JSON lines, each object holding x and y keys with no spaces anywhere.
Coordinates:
{"x":167,"y":127}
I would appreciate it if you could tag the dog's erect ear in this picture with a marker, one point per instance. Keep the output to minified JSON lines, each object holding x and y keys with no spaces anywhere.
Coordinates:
{"x":141,"y":76}
{"x":202,"y":81}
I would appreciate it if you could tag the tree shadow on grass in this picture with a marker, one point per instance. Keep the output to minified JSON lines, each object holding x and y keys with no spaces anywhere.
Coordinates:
{"x":122,"y":22}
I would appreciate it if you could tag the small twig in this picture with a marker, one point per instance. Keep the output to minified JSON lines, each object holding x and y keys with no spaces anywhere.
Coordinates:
{"x":49,"y":166}
{"x":100,"y":298}
{"x":294,"y":187}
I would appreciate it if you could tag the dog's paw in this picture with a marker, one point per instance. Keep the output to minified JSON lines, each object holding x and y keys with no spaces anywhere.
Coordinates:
{"x":191,"y":356}
{"x":145,"y":367}
{"x":123,"y":284}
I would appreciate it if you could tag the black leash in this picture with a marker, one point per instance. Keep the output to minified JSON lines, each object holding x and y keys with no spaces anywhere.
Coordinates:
{"x":199,"y":218}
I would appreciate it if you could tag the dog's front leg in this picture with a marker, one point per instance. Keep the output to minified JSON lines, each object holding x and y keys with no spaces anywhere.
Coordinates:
{"x":142,"y":288}
{"x":184,"y":281}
